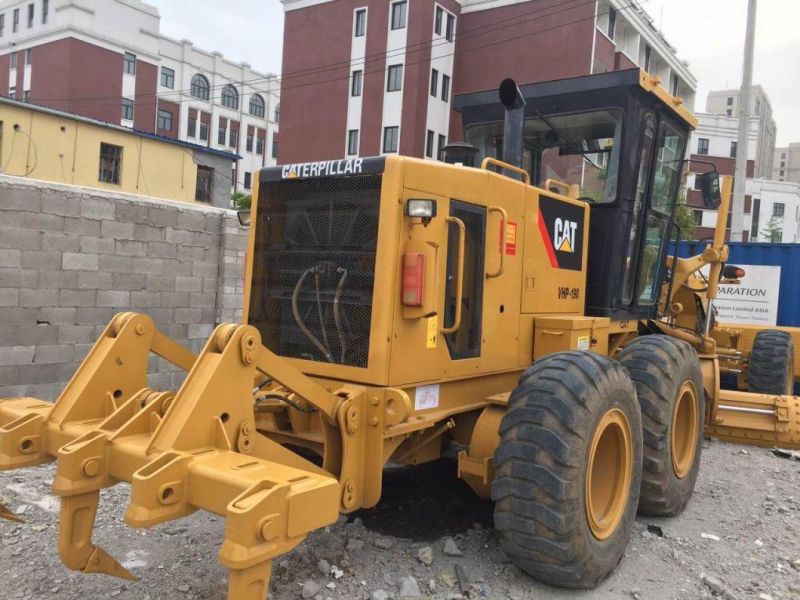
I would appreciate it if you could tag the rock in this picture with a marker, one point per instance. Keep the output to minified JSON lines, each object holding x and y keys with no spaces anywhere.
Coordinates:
{"x":759,"y":544}
{"x":354,"y":545}
{"x":183,"y":589}
{"x":383,"y":543}
{"x":636,"y":593}
{"x":710,"y":536}
{"x":425,"y":555}
{"x":796,"y":564}
{"x":455,"y":596}
{"x":336,"y":572}
{"x":450,"y":548}
{"x":716,"y":585}
{"x":409,"y":588}
{"x":324,"y":566}
{"x":380,"y":595}
{"x":310,"y":589}
{"x":763,"y":596}
{"x":432,"y":586}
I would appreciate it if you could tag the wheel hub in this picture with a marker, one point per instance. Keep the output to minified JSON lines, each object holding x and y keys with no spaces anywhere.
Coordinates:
{"x":608,"y":477}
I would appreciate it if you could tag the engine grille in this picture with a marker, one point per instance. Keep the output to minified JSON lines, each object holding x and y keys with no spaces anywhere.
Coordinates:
{"x":314,"y":267}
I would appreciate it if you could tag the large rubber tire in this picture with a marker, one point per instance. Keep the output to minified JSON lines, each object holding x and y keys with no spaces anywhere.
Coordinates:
{"x":557,"y":416}
{"x":669,"y":385}
{"x":771,"y":363}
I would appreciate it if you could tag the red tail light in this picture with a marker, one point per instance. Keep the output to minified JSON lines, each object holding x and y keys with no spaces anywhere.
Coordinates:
{"x":413,"y":278}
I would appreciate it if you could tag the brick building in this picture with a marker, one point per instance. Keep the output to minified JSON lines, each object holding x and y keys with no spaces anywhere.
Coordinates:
{"x":107,"y":60}
{"x":380,"y":75}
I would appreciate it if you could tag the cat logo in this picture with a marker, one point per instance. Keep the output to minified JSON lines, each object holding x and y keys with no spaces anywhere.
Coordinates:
{"x":564,"y":235}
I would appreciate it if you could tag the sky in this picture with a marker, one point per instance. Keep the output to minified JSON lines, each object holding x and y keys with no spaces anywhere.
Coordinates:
{"x":707,"y":33}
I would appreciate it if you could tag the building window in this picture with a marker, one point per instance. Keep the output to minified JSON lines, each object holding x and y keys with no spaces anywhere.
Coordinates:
{"x":733,"y":149}
{"x":352,"y":142}
{"x":429,"y":144}
{"x":110,"y":163}
{"x":29,"y":56}
{"x":783,"y":164}
{"x":13,"y":60}
{"x":26,"y":96}
{"x":612,"y":22}
{"x":390,"y":137}
{"x":127,"y":109}
{"x":222,"y":133}
{"x":399,"y":14}
{"x":203,"y":131}
{"x":778,"y":209}
{"x":234,"y":141}
{"x":446,"y":88}
{"x":199,"y":87}
{"x":647,"y":53}
{"x":783,"y":173}
{"x":129,"y":63}
{"x":205,"y":184}
{"x":434,"y":82}
{"x":451,"y":28}
{"x":15,"y":26}
{"x":257,"y":106}
{"x":437,"y":27}
{"x":2,"y":25}
{"x":698,"y":217}
{"x":440,"y":147}
{"x":728,"y":112}
{"x":278,"y":112}
{"x":168,"y":77}
{"x":30,"y":16}
{"x":248,"y":180}
{"x":259,"y":145}
{"x":249,"y":142}
{"x":191,"y":127}
{"x":45,"y":10}
{"x":394,"y":82}
{"x":360,"y":28}
{"x":702,"y":146}
{"x":357,"y":83}
{"x":230,"y":97}
{"x":164,"y":121}
{"x":274,"y":148}
{"x":673,"y":84}
{"x":12,"y":93}
{"x":730,"y":100}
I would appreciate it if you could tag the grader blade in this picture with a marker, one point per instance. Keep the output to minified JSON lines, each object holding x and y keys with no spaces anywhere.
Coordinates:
{"x":194,"y":449}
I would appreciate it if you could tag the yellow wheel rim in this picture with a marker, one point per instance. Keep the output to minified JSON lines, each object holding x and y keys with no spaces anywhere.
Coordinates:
{"x":608,"y":478}
{"x":683,"y":438}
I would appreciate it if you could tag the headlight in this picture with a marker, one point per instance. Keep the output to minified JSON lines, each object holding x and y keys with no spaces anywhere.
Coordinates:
{"x":424,"y":209}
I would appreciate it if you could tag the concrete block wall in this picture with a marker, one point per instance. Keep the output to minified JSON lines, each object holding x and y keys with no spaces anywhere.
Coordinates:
{"x":71,"y":258}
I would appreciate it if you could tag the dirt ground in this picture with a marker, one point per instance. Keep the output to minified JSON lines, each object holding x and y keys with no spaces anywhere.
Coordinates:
{"x":747,"y":502}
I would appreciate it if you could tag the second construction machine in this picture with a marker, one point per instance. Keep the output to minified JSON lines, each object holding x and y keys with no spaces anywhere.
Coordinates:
{"x":525,"y":311}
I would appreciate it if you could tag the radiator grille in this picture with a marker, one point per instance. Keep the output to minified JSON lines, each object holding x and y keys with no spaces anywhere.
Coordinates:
{"x":314,"y":267}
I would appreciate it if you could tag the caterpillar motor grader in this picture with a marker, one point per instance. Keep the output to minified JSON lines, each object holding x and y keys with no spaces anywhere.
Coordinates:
{"x":517,"y":302}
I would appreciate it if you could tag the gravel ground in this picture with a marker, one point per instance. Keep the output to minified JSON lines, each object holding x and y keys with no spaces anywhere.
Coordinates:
{"x":746,"y":502}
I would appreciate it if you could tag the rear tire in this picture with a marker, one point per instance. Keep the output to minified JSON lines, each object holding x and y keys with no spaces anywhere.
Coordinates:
{"x":669,"y":385}
{"x":772,"y":363}
{"x":568,"y":469}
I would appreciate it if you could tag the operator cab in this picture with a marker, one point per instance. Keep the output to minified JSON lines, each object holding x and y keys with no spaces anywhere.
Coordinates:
{"x":615,"y":140}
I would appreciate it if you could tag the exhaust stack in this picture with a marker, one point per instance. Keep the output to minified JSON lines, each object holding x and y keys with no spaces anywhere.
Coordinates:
{"x":513,"y":124}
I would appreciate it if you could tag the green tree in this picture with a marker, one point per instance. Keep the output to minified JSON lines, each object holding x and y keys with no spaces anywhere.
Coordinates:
{"x":773,"y":230}
{"x":241,"y":201}
{"x":684,"y":218}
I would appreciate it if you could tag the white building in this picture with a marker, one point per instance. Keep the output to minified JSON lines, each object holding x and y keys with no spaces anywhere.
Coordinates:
{"x":107,"y":59}
{"x":776,"y":208}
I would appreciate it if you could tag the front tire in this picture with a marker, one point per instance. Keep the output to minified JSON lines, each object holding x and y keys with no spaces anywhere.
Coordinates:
{"x":771,"y":363}
{"x":568,"y":469}
{"x":669,"y":385}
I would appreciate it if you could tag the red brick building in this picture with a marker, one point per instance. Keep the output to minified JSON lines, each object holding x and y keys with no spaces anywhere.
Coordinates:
{"x":369,"y":77}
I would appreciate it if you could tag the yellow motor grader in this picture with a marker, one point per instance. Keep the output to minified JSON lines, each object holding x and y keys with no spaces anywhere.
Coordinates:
{"x":516,"y":302}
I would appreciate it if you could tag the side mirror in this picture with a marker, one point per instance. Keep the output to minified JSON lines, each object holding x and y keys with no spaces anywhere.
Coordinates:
{"x":244,"y":217}
{"x":708,"y":183}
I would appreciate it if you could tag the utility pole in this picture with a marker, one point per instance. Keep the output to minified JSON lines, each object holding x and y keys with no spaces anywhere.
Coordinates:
{"x":740,"y":181}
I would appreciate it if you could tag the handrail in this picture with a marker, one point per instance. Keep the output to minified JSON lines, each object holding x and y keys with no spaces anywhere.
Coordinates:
{"x":558,"y":185}
{"x":508,"y":167}
{"x":462,"y":236}
{"x":503,"y":225}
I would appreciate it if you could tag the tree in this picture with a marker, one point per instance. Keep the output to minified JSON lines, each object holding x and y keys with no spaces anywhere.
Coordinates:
{"x":241,"y":201}
{"x":773,"y":230}
{"x":684,"y":218}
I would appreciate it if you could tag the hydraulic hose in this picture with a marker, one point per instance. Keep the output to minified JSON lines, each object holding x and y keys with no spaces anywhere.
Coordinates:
{"x":299,"y":320}
{"x":337,"y":316}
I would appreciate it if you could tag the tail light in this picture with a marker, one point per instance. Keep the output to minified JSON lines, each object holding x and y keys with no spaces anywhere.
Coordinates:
{"x":413,"y":278}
